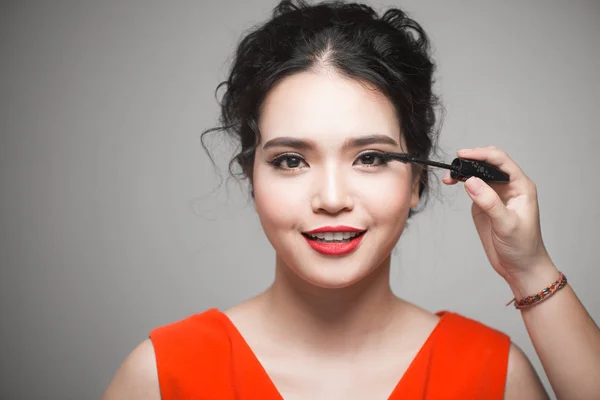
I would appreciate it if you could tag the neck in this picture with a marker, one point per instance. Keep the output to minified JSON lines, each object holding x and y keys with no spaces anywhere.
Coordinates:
{"x":331,"y":319}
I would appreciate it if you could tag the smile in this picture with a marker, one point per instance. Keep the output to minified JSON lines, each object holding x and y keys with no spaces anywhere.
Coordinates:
{"x":333,"y":237}
{"x":334,"y":241}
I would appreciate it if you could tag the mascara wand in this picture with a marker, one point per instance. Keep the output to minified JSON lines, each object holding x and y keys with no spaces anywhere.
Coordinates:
{"x":461,"y":169}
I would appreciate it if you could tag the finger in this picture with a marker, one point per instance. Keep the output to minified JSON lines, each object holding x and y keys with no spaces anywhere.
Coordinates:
{"x":447,"y":179}
{"x":496,"y":157}
{"x":489,"y":203}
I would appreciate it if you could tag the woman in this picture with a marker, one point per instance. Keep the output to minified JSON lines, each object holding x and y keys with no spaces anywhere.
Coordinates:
{"x":314,"y":96}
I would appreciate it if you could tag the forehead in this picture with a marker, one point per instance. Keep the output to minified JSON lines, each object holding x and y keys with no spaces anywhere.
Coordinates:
{"x":325,"y":106}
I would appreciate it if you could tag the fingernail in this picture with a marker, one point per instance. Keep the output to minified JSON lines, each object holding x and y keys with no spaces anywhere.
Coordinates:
{"x":474,"y":185}
{"x":465,"y":150}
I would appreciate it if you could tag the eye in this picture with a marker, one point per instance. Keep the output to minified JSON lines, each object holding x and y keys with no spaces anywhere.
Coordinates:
{"x":371,"y":159}
{"x":288,"y":161}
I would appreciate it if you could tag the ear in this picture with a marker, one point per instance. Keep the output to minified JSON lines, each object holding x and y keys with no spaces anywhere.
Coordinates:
{"x":414,"y":196}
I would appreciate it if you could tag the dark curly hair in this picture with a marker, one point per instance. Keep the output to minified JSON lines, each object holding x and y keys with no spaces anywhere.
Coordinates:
{"x":390,"y":52}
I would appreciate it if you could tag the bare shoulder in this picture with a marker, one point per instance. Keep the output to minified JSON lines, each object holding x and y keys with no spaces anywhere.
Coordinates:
{"x":411,"y":327}
{"x":418,"y":318}
{"x":137,"y":377}
{"x":522,"y":382}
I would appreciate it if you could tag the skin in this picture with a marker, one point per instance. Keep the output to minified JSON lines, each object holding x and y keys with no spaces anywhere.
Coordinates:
{"x":336,"y":316}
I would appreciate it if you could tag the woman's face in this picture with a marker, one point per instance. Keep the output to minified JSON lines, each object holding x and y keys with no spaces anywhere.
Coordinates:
{"x":311,"y":173}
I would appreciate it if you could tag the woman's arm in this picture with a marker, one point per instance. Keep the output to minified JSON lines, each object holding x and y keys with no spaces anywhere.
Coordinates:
{"x":137,"y":378}
{"x":564,"y":335}
{"x":506,"y":216}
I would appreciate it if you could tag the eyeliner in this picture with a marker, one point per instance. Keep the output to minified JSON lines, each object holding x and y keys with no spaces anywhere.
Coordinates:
{"x":461,"y":169}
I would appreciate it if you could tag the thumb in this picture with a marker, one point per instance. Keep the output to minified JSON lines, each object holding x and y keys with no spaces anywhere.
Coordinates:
{"x":489,"y":203}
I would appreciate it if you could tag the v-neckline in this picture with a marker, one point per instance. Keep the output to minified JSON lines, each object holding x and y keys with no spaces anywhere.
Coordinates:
{"x":232,"y":328}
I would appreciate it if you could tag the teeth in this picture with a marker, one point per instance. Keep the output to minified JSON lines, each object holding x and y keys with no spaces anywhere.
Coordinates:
{"x":334,"y":236}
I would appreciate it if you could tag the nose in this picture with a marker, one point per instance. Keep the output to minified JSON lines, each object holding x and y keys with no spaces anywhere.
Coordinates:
{"x":330,"y":192}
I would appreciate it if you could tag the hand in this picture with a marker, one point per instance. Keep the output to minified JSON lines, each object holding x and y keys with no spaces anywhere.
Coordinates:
{"x":506,"y":216}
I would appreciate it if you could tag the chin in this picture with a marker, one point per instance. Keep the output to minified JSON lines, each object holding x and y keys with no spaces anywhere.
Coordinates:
{"x":331,"y":282}
{"x":330,"y":274}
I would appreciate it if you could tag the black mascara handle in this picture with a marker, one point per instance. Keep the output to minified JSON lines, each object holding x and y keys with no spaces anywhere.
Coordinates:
{"x":465,"y":168}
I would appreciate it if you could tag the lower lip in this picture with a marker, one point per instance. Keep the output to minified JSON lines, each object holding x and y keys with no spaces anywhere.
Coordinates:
{"x":335,"y":249}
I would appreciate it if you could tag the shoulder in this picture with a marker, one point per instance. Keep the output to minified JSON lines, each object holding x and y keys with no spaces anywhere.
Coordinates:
{"x":522,"y":381}
{"x":207,"y":324}
{"x":137,"y":377}
{"x":495,"y":354}
{"x":169,"y":357}
{"x":473,"y":343}
{"x":469,"y":357}
{"x":188,"y":343}
{"x":190,"y":338}
{"x":472,"y":334}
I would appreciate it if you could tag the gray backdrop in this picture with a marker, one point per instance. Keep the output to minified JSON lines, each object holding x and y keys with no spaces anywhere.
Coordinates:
{"x":111,"y":219}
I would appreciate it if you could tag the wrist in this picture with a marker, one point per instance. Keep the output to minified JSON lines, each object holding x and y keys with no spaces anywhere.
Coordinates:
{"x":533,"y":280}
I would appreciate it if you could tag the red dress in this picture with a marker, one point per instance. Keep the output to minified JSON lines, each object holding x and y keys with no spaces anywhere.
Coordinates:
{"x":205,"y":357}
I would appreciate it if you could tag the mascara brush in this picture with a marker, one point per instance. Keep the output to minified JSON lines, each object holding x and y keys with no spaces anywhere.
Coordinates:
{"x":461,"y":169}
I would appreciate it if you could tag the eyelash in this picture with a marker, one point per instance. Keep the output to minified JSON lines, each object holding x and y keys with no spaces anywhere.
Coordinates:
{"x":378,"y":155}
{"x":276,"y":162}
{"x":279,"y":159}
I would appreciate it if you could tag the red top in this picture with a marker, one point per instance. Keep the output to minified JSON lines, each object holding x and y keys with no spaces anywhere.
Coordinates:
{"x":205,"y":357}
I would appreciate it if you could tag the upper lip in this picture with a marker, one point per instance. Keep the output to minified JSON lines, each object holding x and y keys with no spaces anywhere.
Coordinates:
{"x":339,"y":228}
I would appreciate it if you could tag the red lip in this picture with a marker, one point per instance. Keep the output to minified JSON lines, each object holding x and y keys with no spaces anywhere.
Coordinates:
{"x":336,"y":248}
{"x":339,"y":228}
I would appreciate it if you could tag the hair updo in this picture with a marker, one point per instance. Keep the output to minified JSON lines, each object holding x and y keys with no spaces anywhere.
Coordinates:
{"x":391,"y":52}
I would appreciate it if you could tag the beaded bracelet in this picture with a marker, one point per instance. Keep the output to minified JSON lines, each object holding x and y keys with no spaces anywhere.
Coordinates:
{"x":539,"y":297}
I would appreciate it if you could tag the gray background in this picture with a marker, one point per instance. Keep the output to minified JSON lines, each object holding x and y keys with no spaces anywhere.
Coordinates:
{"x":111,"y":218}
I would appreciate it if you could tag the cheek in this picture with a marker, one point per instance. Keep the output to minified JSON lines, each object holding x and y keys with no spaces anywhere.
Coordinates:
{"x":279,"y":202}
{"x":386,"y":197}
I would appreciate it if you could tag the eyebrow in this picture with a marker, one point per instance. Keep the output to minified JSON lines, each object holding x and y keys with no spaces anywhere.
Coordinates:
{"x":300,"y":144}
